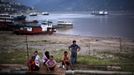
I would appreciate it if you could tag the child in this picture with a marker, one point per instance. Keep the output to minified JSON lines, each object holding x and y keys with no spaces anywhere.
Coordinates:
{"x":37,"y":61}
{"x":51,"y":64}
{"x":66,"y":60}
{"x":46,"y":57}
{"x":31,"y":64}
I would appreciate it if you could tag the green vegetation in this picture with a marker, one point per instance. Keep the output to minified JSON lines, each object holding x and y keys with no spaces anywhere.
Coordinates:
{"x":20,"y":57}
{"x":95,"y":61}
{"x":89,"y":60}
{"x":16,"y":56}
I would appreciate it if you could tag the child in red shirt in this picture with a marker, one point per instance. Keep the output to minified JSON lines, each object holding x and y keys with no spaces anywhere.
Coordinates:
{"x":66,"y":60}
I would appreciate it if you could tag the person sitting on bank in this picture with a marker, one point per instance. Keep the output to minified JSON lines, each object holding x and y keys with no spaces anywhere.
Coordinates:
{"x":51,"y":64}
{"x":46,"y":57}
{"x":31,"y":64}
{"x":34,"y":62}
{"x":37,"y":61}
{"x":66,"y":60}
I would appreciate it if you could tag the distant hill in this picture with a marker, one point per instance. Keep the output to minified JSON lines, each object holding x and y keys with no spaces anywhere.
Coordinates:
{"x":11,"y":6}
{"x":79,"y":5}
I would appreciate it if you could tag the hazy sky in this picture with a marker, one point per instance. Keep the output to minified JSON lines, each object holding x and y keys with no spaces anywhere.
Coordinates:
{"x":80,"y":4}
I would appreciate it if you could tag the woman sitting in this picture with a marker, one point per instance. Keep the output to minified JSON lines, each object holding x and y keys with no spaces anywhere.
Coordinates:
{"x":46,"y":57}
{"x":51,"y":64}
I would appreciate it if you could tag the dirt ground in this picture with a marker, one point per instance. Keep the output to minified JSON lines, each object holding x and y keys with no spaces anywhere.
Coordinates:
{"x":23,"y":69}
{"x":55,"y":42}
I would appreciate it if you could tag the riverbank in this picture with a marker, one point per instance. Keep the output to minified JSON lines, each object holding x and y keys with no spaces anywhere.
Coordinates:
{"x":94,"y":50}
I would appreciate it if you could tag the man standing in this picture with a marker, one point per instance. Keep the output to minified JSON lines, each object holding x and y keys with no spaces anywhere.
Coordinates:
{"x":74,"y":48}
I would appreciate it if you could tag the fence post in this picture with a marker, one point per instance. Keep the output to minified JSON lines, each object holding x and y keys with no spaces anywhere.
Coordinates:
{"x":27,"y":47}
{"x":120,"y":44}
{"x":89,"y":47}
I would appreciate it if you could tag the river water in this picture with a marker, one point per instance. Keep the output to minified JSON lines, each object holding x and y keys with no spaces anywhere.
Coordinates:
{"x":117,"y":24}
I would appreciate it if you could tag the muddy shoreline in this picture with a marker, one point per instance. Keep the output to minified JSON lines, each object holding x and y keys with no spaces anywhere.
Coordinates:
{"x":56,"y":42}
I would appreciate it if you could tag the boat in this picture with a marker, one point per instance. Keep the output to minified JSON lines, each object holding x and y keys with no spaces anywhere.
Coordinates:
{"x":34,"y":28}
{"x":6,"y":21}
{"x":45,"y":13}
{"x":64,"y":24}
{"x":101,"y":13}
{"x":6,"y":18}
{"x":20,"y":18}
{"x":33,"y":14}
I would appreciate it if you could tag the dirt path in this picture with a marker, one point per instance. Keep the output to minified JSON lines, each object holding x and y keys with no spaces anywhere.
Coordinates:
{"x":19,"y":69}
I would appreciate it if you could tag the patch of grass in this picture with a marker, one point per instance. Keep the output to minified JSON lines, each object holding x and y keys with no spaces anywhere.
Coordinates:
{"x":40,"y":42}
{"x":94,"y":61}
{"x":129,"y":68}
{"x":17,"y":57}
{"x":58,"y":57}
{"x":123,"y":56}
{"x":48,"y":41}
{"x":45,"y":41}
{"x":88,"y":60}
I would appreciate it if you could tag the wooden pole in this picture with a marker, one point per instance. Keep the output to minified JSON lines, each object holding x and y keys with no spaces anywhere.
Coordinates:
{"x":120,"y":44}
{"x":120,"y":40}
{"x":27,"y":48}
{"x":89,"y":47}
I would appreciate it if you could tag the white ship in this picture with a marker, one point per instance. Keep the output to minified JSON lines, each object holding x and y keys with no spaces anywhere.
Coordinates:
{"x":64,"y":24}
{"x":99,"y":13}
{"x":33,"y":14}
{"x":45,"y":13}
